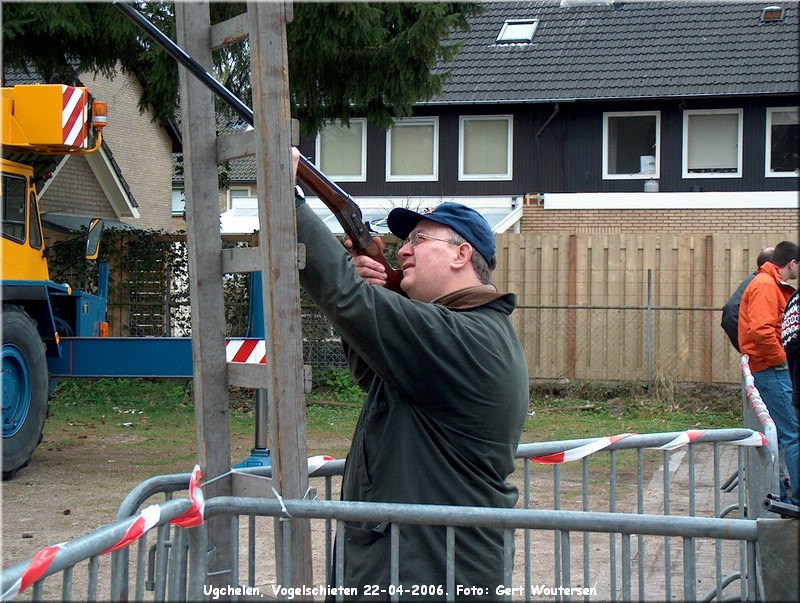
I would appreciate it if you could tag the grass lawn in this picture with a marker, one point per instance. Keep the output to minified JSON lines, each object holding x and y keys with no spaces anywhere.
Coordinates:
{"x":158,"y":414}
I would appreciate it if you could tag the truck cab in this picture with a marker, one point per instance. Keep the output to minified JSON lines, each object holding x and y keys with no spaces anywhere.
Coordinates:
{"x":22,"y":241}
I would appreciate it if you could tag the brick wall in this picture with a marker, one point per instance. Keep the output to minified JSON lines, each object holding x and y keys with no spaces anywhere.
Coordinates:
{"x":141,"y":147}
{"x":536,"y":219}
{"x":76,"y":192}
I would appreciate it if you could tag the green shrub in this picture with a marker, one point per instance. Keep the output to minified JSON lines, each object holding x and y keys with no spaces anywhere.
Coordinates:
{"x":337,"y":384}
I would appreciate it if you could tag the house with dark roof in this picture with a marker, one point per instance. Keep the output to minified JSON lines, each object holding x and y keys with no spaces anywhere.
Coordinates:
{"x":595,"y":116}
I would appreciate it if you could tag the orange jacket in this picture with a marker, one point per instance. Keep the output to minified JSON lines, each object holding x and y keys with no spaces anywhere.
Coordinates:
{"x":760,"y":317}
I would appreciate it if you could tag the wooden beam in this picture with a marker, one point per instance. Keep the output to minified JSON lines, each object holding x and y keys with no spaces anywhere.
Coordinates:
{"x":204,"y":244}
{"x":234,"y":146}
{"x":230,"y":31}
{"x":280,"y":281}
{"x":572,"y":299}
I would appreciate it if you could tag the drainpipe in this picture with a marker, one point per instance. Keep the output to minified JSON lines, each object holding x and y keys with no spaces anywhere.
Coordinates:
{"x":547,"y":123}
{"x":538,"y":136}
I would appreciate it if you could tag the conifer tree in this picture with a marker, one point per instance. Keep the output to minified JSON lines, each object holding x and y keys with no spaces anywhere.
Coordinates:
{"x":345,"y":58}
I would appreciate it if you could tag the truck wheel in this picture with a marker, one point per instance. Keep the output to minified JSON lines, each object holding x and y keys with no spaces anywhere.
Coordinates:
{"x":25,"y":385}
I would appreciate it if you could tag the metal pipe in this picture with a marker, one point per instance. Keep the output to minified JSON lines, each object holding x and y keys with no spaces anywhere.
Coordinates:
{"x":200,"y":72}
{"x":177,"y":53}
{"x":556,"y":109}
{"x":454,"y":515}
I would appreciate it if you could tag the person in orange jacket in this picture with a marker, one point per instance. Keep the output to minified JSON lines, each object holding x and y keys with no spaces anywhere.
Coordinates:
{"x":760,"y":317}
{"x":730,"y":311}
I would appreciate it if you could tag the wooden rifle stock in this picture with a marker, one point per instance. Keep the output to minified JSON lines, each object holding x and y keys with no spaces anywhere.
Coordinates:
{"x":343,"y":207}
{"x":349,"y":216}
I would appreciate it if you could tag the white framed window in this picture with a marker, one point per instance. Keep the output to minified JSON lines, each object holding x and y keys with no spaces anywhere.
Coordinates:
{"x":14,"y":207}
{"x":178,"y":202}
{"x":783,"y":142}
{"x":412,"y":149}
{"x":341,"y":151}
{"x":485,"y":147}
{"x":235,"y":193}
{"x":517,"y":31}
{"x":712,"y":143}
{"x":631,"y":144}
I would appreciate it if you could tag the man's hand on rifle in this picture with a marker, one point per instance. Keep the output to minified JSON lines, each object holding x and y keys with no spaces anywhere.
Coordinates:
{"x":371,"y":271}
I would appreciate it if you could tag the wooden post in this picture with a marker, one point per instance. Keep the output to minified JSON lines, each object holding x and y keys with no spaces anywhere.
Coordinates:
{"x":280,"y":282}
{"x":204,"y":246}
{"x":708,"y":301}
{"x":572,"y":299}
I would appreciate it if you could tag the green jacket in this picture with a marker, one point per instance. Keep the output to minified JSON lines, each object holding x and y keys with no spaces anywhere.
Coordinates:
{"x":447,"y":396}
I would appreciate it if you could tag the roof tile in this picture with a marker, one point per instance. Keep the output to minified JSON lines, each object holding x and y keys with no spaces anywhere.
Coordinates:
{"x":645,"y":48}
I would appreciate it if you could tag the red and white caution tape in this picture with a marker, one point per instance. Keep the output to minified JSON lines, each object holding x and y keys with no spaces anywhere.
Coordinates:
{"x":315,"y":462}
{"x":142,"y":523}
{"x":34,"y":572}
{"x":194,"y":516}
{"x":682,"y":439}
{"x":754,"y":397}
{"x":754,"y":439}
{"x":759,"y":409}
{"x":687,"y":437}
{"x":580,"y":452}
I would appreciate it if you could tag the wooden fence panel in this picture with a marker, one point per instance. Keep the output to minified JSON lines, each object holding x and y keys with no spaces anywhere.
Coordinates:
{"x":634,"y":346}
{"x":723,"y":284}
{"x":583,"y":302}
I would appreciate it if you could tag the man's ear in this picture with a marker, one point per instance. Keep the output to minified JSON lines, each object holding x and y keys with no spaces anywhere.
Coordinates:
{"x":463,"y":255}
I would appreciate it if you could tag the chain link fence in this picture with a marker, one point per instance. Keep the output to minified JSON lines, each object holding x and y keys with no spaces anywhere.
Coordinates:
{"x":648,"y":344}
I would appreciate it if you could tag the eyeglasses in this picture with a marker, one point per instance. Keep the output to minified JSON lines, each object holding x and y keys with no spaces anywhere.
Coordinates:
{"x":415,"y":238}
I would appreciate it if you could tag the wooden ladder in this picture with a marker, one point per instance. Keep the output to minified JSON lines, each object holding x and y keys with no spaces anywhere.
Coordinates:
{"x":277,"y":257}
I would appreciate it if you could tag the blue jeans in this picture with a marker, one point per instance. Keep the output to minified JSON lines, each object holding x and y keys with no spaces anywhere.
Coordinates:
{"x":775,"y":388}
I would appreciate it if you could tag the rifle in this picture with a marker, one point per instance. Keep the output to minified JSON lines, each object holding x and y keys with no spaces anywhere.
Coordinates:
{"x":773,"y":503}
{"x":346,"y":211}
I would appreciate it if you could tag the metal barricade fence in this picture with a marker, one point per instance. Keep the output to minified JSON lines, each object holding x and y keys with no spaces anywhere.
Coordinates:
{"x":762,"y":473}
{"x":610,"y":561}
{"x":78,"y":560}
{"x":690,"y":530}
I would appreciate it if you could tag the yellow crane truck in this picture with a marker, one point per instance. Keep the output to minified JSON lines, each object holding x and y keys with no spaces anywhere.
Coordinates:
{"x":38,"y":120}
{"x":50,"y":330}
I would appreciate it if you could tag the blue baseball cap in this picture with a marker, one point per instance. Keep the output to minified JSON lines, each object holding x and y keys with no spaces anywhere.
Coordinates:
{"x":464,"y":220}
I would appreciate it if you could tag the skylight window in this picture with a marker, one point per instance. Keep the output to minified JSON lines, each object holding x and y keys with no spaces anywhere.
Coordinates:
{"x":772,"y":14}
{"x":517,"y":31}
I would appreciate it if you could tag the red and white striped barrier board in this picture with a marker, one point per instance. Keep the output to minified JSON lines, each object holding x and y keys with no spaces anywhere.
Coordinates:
{"x":247,"y":351}
{"x":74,"y":116}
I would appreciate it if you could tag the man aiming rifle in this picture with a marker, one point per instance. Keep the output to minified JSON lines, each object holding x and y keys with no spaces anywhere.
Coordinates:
{"x":447,"y":391}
